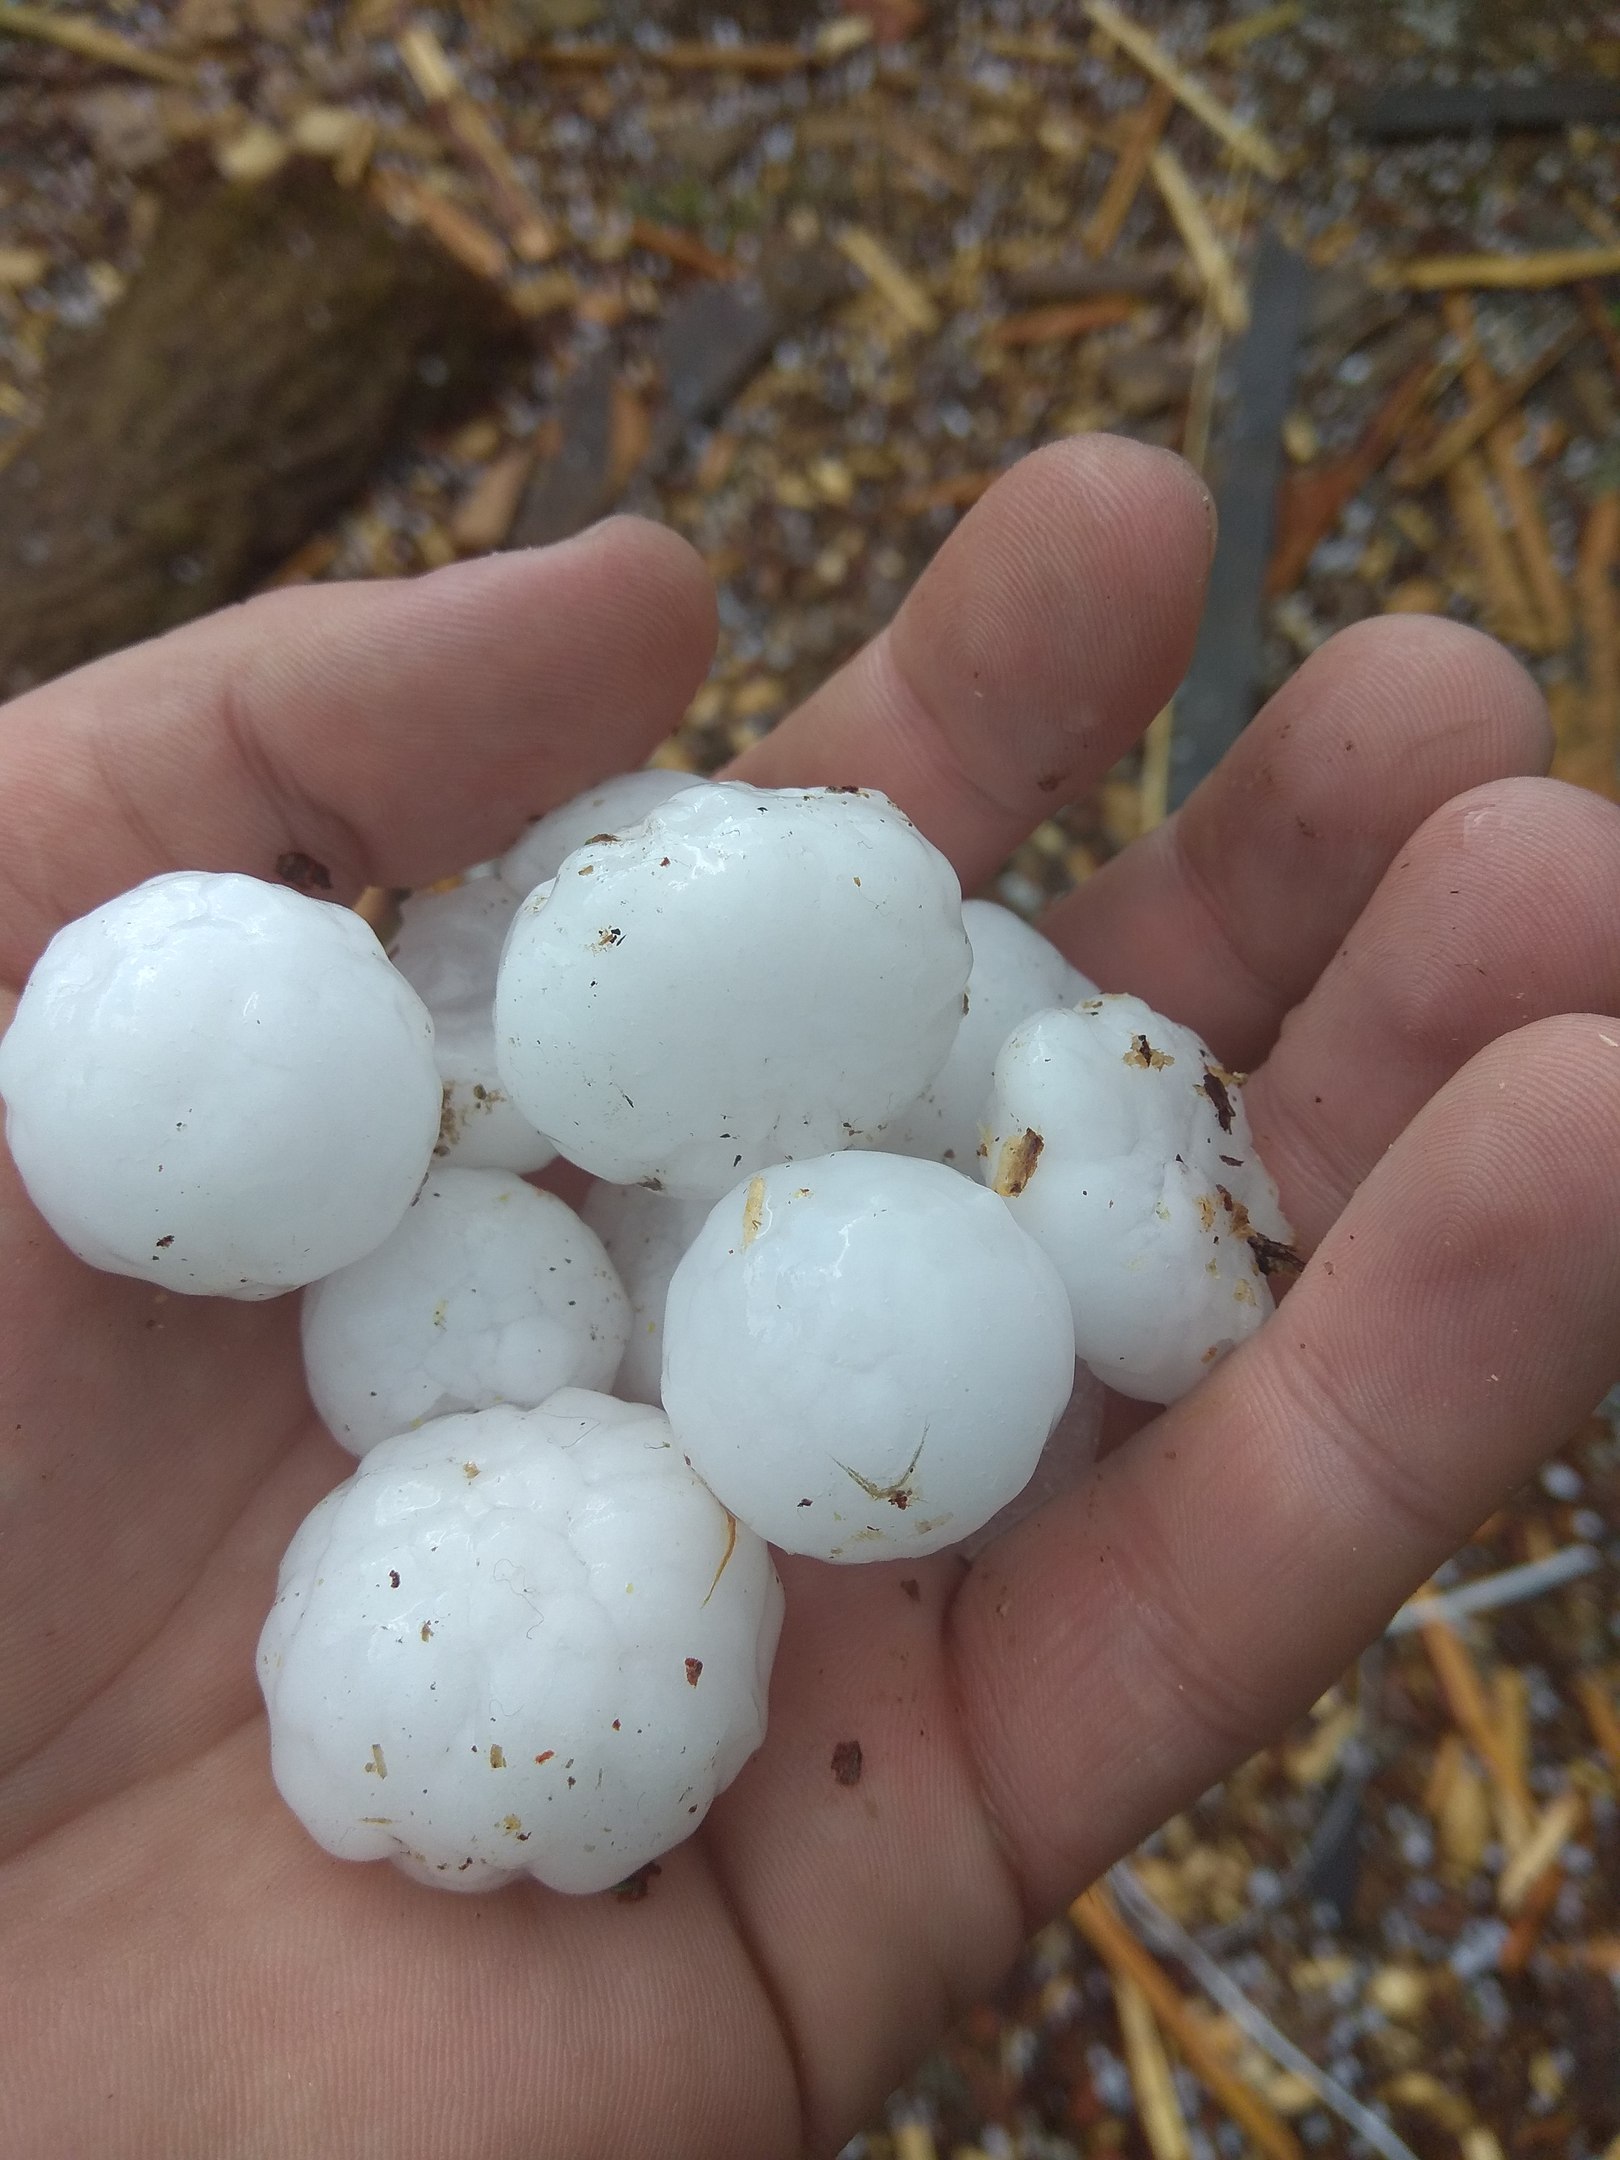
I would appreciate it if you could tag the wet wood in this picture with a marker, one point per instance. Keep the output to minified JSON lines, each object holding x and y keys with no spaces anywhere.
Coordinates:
{"x":78,"y":34}
{"x":276,"y":342}
{"x":1094,"y":1915}
{"x":1486,"y":413}
{"x":1507,"y":273}
{"x":1245,"y":142}
{"x":712,"y":339}
{"x":1218,"y":697}
{"x":1406,"y":110}
{"x":1503,"y":449}
{"x":1143,"y":133}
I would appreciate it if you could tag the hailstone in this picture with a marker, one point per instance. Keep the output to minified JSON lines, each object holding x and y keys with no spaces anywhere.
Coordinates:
{"x":645,"y":1233}
{"x":864,"y":1355}
{"x":488,"y":1292}
{"x":219,"y":1085}
{"x":608,"y":808}
{"x":1124,"y":1150}
{"x":745,"y":977}
{"x":524,"y":1642}
{"x":1016,"y":972}
{"x":1065,"y":1460}
{"x":447,"y":948}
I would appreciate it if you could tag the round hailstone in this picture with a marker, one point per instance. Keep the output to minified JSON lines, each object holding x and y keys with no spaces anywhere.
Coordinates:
{"x":745,"y":977}
{"x":488,"y":1292}
{"x":864,"y":1355}
{"x":447,"y":948}
{"x":1065,"y":1459}
{"x":523,"y":1642}
{"x":645,"y":1233}
{"x":1124,"y":1150}
{"x":1016,"y":972}
{"x":219,"y":1085}
{"x":609,"y":808}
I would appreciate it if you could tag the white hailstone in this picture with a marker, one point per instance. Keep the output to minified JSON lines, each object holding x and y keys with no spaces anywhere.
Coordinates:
{"x":524,"y":1642}
{"x":1123,"y":1148}
{"x":1065,"y":1459}
{"x":448,"y":948}
{"x":610,"y":807}
{"x":645,"y":1233}
{"x":219,"y":1085}
{"x":1016,"y":972}
{"x":747,"y":976}
{"x":488,"y":1292}
{"x":864,"y":1355}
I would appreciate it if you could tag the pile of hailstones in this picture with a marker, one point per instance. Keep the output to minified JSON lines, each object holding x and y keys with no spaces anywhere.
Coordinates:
{"x":874,"y":1170}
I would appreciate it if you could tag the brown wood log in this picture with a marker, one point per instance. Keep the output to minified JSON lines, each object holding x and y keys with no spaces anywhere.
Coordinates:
{"x":274,"y":344}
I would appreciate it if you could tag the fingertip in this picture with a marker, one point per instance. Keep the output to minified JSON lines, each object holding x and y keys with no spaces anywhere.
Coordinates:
{"x":642,"y":549}
{"x":1052,"y":625}
{"x":1444,"y":672}
{"x":1071,"y":592}
{"x":674,"y":623}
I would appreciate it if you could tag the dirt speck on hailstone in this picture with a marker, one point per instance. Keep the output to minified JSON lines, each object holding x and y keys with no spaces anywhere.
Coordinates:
{"x":1017,"y":1163}
{"x":1143,"y":1055}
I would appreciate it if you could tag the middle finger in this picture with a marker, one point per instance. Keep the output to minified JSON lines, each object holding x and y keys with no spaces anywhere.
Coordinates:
{"x":1499,"y":912}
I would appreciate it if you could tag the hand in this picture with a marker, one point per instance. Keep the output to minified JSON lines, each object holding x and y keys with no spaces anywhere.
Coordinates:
{"x":1369,"y":906}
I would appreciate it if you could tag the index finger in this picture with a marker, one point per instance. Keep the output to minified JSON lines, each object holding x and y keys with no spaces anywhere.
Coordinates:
{"x":389,"y":732}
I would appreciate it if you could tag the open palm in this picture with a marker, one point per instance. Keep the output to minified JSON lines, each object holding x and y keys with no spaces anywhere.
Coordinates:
{"x":1368,"y":906}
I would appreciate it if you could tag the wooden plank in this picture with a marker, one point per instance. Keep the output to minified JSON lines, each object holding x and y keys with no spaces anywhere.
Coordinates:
{"x":1066,"y":319}
{"x":77,"y":34}
{"x":1503,"y":273}
{"x":711,"y":341}
{"x":1217,"y":699}
{"x":1407,"y":110}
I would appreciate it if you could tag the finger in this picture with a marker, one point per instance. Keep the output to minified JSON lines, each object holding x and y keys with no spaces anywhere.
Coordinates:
{"x":1500,"y":911}
{"x":392,"y":732}
{"x":1224,"y":916}
{"x":1223,"y":1568}
{"x":1035,"y":648}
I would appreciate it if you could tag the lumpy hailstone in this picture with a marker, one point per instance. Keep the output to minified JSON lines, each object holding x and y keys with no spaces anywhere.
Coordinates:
{"x":1016,"y":972}
{"x":745,"y":977}
{"x":610,"y":808}
{"x":447,"y":948}
{"x":219,"y":1085}
{"x":864,"y":1355}
{"x":1123,"y":1148}
{"x":522,"y":1642}
{"x":645,"y":1233}
{"x":488,"y":1292}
